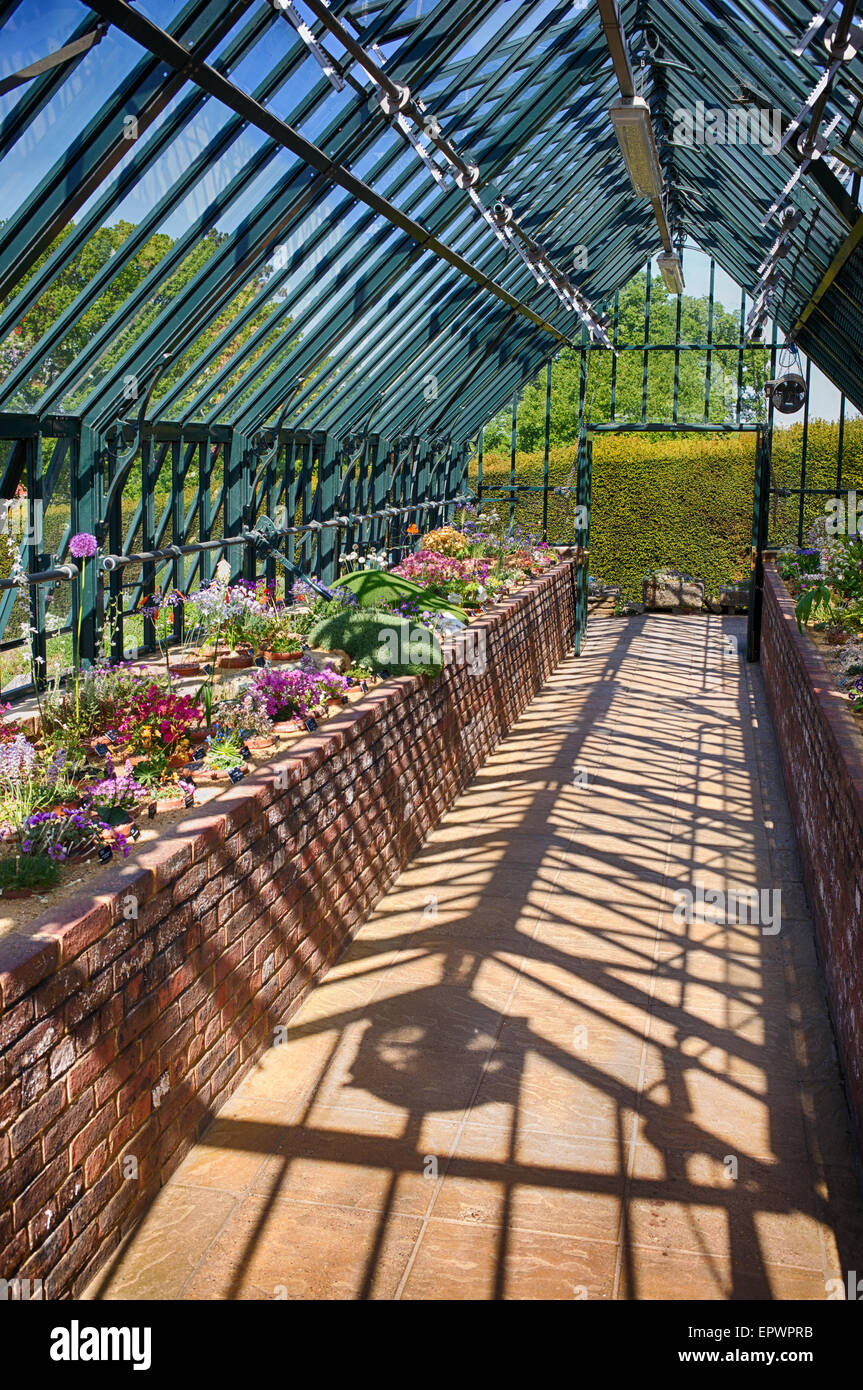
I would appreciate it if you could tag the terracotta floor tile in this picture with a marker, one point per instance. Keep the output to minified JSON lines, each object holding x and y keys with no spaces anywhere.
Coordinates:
{"x":235,"y":1147}
{"x":556,"y":1093}
{"x":350,"y":1158}
{"x":464,"y":1261}
{"x":534,"y":1181}
{"x":275,"y":1249}
{"x":667,"y":1275}
{"x":166,"y":1247}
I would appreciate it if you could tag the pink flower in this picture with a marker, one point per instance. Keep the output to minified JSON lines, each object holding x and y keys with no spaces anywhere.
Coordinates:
{"x":83,"y":545}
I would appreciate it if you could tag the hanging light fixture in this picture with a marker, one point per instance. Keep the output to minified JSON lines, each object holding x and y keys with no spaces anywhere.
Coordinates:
{"x":630,"y":117}
{"x":671,"y":269}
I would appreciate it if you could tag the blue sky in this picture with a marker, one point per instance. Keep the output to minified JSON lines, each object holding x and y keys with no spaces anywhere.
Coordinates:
{"x":825,"y":398}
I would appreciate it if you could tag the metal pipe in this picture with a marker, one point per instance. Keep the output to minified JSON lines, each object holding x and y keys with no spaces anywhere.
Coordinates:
{"x":50,"y":576}
{"x":171,"y":552}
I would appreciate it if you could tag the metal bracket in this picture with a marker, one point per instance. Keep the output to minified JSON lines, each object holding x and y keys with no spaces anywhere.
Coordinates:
{"x":263,"y":540}
{"x":53,"y":60}
{"x":329,"y":67}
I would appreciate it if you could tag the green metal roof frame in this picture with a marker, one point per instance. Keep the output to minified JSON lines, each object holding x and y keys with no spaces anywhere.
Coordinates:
{"x":389,"y":281}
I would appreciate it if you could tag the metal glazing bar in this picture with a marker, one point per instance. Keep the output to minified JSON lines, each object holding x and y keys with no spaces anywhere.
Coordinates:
{"x":209,"y":79}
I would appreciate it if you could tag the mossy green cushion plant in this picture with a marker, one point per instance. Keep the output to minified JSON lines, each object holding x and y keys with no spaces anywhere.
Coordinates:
{"x":27,"y":873}
{"x":372,"y":588}
{"x":381,"y":642}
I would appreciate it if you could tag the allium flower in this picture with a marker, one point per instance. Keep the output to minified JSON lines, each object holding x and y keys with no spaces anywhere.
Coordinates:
{"x":83,"y":545}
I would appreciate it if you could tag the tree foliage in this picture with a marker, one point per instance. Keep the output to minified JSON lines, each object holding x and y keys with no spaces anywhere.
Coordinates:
{"x":566,"y":371}
{"x":73,"y":285}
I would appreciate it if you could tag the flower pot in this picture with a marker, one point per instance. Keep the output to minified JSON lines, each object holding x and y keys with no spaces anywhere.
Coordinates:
{"x":197,"y":736}
{"x":235,"y":661}
{"x":185,"y":668}
{"x":260,"y":742}
{"x":209,"y":650}
{"x":169,"y":803}
{"x":178,"y":760}
{"x":19,"y":892}
{"x":202,"y":776}
{"x":283,"y":656}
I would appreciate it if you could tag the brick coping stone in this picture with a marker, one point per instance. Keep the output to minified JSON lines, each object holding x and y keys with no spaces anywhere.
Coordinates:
{"x":821,"y":752}
{"x":121,"y":1038}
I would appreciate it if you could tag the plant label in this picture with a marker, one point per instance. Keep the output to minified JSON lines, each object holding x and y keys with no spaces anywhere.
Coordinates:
{"x":105,"y":854}
{"x":311,"y":724}
{"x":236,"y":774}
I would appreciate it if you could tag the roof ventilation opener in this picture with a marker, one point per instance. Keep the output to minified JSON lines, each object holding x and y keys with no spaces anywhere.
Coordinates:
{"x":787,"y":392}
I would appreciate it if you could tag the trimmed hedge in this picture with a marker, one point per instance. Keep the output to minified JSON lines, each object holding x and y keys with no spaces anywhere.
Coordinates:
{"x":681,"y":502}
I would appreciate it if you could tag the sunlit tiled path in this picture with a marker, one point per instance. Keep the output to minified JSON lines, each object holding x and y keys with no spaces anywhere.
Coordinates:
{"x":526,"y":1079}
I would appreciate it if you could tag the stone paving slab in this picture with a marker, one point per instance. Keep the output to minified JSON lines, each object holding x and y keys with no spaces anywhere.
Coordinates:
{"x":529,"y":1076}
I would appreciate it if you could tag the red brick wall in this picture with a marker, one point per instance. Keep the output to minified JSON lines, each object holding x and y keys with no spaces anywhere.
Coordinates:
{"x":822,"y":760}
{"x":121,"y":1036}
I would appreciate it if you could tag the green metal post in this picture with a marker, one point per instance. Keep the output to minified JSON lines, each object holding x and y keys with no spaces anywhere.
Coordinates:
{"x":512,"y":460}
{"x":709,"y":364}
{"x":86,"y":490}
{"x":646,"y":357}
{"x":546,"y":453}
{"x":804,"y":453}
{"x":760,"y":518}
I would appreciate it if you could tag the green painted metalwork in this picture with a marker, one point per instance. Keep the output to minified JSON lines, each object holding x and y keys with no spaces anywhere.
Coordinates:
{"x":287,"y":248}
{"x":760,"y":518}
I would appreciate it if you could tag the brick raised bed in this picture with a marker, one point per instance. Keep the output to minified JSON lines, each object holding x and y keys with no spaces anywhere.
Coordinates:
{"x":822,"y":760}
{"x":121,"y":1035}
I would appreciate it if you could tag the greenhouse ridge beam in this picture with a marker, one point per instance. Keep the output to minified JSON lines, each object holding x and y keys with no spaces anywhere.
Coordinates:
{"x":164,"y":47}
{"x":612,"y":27}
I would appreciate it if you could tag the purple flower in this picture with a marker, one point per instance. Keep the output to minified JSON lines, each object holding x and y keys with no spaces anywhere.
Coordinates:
{"x":83,"y":545}
{"x":17,"y":759}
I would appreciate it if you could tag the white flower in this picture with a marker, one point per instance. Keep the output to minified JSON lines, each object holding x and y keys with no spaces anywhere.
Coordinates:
{"x":223,"y":571}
